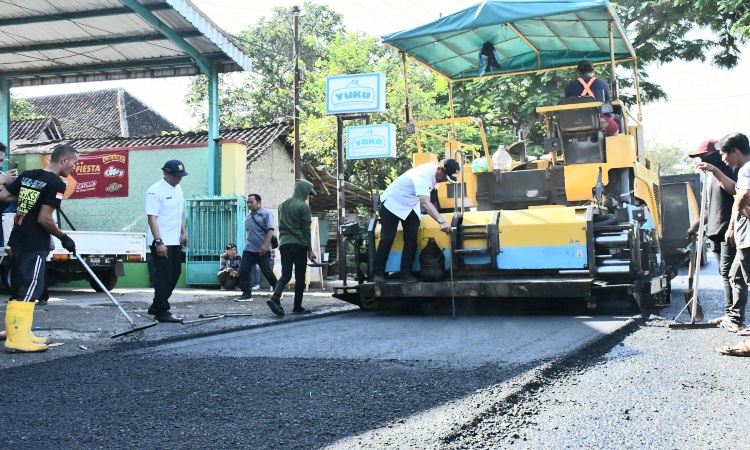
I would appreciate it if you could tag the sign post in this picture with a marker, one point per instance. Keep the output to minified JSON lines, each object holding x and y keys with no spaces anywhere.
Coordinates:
{"x":351,"y":97}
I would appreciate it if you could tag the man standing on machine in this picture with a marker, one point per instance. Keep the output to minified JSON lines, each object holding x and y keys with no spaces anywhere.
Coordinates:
{"x":402,"y":202}
{"x":38,"y":194}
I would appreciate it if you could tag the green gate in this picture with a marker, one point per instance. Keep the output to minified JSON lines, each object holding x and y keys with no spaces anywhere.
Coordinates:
{"x":212,"y":223}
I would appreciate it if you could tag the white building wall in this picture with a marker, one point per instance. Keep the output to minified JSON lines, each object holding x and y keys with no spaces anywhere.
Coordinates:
{"x":271,"y":176}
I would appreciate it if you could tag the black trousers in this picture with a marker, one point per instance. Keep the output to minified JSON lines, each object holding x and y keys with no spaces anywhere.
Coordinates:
{"x":226,"y":281}
{"x":265,"y":262}
{"x":292,"y":255}
{"x":388,"y":228}
{"x":167,"y":272}
{"x":28,"y":275}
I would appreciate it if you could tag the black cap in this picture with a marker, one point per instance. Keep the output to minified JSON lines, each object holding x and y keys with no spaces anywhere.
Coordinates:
{"x":450,"y":168}
{"x":585,"y":65}
{"x":175,"y":167}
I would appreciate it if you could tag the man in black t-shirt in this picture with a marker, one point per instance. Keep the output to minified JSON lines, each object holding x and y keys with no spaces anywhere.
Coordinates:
{"x":38,"y":194}
{"x":721,"y":180}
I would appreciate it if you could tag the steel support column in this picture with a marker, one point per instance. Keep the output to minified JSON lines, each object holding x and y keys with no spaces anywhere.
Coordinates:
{"x":5,"y":118}
{"x":214,"y":157}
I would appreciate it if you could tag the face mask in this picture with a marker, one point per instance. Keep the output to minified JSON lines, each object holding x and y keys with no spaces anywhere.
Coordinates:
{"x":714,"y":159}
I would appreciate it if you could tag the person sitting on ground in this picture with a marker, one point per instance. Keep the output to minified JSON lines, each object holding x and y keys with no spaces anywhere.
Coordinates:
{"x":229,"y":262}
{"x":587,"y":85}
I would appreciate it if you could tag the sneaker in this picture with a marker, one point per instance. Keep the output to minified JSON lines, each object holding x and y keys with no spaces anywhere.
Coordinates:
{"x":167,"y":317}
{"x":222,"y":288}
{"x":275,"y":308}
{"x":256,"y":287}
{"x":244,"y":298}
{"x":378,"y":279}
{"x":301,"y":310}
{"x":730,"y":326}
{"x":41,"y":302}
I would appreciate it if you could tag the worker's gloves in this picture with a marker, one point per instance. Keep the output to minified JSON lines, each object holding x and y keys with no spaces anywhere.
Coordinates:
{"x":68,"y":244}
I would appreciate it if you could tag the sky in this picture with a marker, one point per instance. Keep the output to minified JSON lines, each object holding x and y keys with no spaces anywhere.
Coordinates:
{"x":704,"y":102}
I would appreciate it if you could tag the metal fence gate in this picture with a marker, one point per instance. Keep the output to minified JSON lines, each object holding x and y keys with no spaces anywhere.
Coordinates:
{"x":212,"y":223}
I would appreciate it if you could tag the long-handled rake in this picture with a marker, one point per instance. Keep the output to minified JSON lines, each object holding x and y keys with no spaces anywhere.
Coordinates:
{"x":691,"y":293}
{"x":134,"y":326}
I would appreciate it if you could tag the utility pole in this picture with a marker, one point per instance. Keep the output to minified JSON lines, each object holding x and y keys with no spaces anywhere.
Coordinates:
{"x":297,"y":157}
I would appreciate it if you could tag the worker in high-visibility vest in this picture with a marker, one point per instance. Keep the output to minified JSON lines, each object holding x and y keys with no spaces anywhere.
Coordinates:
{"x":588,"y":85}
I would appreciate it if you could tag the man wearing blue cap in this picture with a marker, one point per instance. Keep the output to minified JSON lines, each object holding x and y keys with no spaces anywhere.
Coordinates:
{"x":165,"y":205}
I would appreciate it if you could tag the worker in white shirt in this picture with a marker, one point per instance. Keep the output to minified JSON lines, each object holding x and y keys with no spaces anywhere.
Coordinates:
{"x":402,"y":202}
{"x":165,"y":204}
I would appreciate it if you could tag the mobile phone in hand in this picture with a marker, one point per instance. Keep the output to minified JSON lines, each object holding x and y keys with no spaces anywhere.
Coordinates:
{"x":15,"y":166}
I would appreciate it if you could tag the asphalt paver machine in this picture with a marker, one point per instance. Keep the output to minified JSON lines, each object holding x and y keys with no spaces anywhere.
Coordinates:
{"x":587,"y":220}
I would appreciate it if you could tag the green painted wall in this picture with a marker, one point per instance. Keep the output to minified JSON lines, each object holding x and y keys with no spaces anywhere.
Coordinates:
{"x":144,"y":169}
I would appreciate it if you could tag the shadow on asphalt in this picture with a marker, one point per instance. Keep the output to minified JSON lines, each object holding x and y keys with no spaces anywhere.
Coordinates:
{"x":509,"y":307}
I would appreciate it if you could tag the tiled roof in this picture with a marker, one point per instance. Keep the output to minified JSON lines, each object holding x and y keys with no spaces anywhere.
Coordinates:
{"x":31,"y":130}
{"x":327,"y":198}
{"x":257,"y":140}
{"x":104,"y":113}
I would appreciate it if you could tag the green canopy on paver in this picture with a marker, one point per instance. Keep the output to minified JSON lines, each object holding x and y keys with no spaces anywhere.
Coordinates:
{"x":526,"y":35}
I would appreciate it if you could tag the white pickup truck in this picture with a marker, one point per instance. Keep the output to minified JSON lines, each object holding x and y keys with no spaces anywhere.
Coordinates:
{"x":105,"y":253}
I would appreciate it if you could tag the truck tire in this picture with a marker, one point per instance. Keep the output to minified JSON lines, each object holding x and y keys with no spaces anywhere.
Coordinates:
{"x":108,"y":277}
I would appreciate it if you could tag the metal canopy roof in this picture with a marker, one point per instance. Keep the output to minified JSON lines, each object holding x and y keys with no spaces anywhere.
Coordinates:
{"x":527,"y":35}
{"x":60,"y":41}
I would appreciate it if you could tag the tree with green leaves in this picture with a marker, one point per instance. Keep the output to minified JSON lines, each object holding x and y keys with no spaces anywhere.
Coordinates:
{"x":660,"y":32}
{"x":670,"y":159}
{"x":20,"y":109}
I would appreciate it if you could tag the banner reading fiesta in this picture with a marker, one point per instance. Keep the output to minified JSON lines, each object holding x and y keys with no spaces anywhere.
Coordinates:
{"x":97,"y":175}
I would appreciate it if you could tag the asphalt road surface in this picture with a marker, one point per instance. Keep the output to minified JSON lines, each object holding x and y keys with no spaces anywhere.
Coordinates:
{"x":389,"y":380}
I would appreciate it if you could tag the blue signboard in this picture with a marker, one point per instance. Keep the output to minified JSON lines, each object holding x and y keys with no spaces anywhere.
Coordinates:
{"x":362,"y":93}
{"x":371,"y":141}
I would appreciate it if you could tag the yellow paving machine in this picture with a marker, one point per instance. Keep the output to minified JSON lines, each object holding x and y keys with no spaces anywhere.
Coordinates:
{"x":584,"y":221}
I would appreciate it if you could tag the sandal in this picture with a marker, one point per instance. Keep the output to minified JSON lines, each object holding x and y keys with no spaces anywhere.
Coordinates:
{"x":740,"y":349}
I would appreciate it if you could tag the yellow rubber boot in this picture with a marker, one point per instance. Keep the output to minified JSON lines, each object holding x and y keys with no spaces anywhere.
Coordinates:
{"x":18,"y":319}
{"x":35,"y":339}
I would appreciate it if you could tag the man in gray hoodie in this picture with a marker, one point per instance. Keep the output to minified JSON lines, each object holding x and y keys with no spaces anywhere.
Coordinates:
{"x":295,"y":219}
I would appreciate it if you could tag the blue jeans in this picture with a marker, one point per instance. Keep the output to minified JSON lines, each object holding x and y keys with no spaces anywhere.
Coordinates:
{"x":256,"y":275}
{"x":724,"y":258}
{"x":739,"y":277}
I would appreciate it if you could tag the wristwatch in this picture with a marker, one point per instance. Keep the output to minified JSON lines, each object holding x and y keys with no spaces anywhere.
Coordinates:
{"x":157,"y":242}
{"x":441,"y":221}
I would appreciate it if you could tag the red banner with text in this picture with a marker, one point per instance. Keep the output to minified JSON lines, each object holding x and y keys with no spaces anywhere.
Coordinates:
{"x":97,"y":175}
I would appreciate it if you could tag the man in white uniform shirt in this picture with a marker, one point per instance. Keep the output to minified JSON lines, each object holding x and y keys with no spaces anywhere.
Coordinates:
{"x":165,"y":205}
{"x":402,"y":202}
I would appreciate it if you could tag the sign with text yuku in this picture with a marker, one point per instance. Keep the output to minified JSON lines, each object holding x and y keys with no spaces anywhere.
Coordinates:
{"x":371,"y":141}
{"x":350,"y":94}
